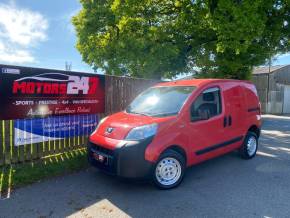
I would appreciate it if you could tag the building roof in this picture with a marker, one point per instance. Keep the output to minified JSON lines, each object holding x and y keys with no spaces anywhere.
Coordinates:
{"x":265,"y":69}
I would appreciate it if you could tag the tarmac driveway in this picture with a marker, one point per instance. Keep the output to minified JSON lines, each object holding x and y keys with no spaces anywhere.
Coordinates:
{"x":223,"y":187}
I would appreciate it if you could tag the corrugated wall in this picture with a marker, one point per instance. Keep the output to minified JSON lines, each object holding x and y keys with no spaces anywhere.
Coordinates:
{"x":271,"y":90}
{"x":261,"y":82}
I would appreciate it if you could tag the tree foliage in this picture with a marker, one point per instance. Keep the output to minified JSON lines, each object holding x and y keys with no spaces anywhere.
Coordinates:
{"x":162,"y":38}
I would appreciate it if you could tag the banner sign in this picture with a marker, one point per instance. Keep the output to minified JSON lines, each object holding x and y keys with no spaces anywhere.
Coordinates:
{"x":34,"y":92}
{"x":30,"y":131}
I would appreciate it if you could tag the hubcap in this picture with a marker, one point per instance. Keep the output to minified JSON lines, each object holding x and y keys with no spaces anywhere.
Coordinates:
{"x":168,"y":171}
{"x":252,"y":145}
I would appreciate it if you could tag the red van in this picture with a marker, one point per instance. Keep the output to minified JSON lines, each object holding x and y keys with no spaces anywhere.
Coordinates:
{"x":174,"y":125}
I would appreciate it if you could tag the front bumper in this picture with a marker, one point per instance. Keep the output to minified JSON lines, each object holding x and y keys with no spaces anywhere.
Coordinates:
{"x":127,"y":160}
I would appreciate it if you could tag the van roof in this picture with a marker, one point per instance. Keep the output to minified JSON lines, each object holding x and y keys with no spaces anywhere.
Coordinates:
{"x":198,"y":82}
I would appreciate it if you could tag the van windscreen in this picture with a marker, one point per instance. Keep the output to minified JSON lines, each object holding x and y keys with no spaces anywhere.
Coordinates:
{"x":160,"y":101}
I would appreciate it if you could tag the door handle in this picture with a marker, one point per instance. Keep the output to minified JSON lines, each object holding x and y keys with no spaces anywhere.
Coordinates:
{"x":230,"y":120}
{"x":225,"y":121}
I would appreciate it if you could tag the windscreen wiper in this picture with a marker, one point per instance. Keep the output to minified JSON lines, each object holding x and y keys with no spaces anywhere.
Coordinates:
{"x":163,"y":114}
{"x":133,"y":112}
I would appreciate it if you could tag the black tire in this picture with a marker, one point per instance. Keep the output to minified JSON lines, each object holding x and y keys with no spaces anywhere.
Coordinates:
{"x":245,"y":152}
{"x":174,"y":156}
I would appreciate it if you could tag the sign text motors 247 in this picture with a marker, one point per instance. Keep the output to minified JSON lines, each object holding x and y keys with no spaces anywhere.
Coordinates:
{"x":33,"y":92}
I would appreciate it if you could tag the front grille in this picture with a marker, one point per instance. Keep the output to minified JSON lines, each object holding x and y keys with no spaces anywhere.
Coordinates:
{"x":102,"y":149}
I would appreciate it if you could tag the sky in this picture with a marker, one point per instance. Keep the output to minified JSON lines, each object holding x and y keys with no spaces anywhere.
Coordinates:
{"x":39,"y":33}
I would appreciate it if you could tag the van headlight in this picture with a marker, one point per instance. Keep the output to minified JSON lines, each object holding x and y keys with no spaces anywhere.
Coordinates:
{"x":101,"y":121}
{"x":142,"y":132}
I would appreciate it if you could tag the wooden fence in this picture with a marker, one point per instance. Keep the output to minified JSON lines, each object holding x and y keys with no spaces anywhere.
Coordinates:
{"x":119,"y":92}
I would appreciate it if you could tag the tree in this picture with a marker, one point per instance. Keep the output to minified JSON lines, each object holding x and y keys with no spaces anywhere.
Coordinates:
{"x":162,"y":38}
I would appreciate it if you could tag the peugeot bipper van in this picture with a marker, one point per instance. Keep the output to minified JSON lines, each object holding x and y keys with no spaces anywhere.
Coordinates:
{"x":174,"y":125}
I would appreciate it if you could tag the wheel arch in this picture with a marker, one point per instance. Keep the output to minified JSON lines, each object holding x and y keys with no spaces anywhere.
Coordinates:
{"x":255,"y":129}
{"x":177,"y":149}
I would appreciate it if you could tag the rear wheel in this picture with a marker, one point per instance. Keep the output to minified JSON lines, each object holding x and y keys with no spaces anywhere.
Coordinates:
{"x":169,"y":170}
{"x":250,"y":146}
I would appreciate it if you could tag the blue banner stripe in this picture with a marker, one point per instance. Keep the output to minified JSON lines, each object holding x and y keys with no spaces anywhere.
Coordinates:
{"x":60,"y":126}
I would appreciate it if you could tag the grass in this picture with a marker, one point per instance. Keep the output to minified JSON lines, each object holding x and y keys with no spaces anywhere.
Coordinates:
{"x":14,"y":176}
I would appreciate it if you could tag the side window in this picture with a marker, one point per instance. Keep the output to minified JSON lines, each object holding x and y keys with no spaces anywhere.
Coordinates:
{"x":208,"y":104}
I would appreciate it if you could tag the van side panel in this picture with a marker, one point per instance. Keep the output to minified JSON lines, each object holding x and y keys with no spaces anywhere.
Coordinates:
{"x":252,"y":99}
{"x":235,"y":114}
{"x":253,"y":106}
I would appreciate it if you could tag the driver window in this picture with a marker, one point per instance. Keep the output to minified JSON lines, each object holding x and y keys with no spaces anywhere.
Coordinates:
{"x":207,"y":105}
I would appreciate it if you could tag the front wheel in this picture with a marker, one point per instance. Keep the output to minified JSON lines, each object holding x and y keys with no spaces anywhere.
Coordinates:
{"x":250,"y":146}
{"x":169,"y":170}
